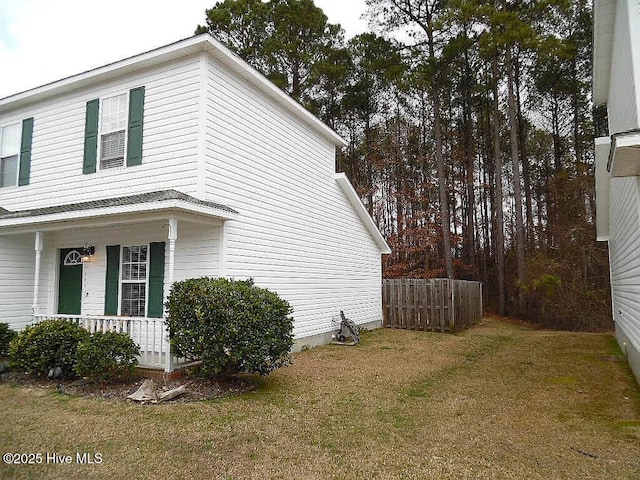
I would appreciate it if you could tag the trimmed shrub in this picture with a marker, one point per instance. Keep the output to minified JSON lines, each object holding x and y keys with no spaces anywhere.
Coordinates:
{"x":106,"y":356}
{"x":46,"y":345}
{"x":232,"y":326}
{"x":6,"y":335}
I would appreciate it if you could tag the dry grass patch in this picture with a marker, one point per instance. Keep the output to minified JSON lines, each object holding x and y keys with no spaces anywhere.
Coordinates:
{"x":498,"y":401}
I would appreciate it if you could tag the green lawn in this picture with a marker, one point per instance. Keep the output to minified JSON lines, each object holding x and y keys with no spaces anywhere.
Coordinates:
{"x":498,"y":401}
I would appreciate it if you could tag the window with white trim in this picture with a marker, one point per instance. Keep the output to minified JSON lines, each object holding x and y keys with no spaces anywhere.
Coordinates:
{"x":135,"y":265}
{"x":113,"y":130}
{"x":9,"y":154}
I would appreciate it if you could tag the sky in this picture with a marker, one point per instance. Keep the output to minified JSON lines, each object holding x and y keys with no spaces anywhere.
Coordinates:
{"x":45,"y":40}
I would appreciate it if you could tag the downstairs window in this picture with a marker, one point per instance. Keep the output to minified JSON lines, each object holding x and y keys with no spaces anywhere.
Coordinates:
{"x":134,"y":281}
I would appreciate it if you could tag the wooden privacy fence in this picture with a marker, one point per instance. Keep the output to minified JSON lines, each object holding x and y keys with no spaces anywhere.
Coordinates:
{"x":438,"y":304}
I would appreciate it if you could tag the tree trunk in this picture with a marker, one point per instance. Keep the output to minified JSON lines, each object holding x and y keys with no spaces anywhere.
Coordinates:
{"x":517,"y":187}
{"x":497,"y":151}
{"x":442,"y":187}
{"x":469,"y":154}
{"x":445,"y":220}
{"x":367,"y":159}
{"x":526,"y":175}
{"x":557,"y":141}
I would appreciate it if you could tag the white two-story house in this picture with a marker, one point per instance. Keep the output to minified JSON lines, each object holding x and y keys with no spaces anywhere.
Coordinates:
{"x":616,"y":84}
{"x":176,"y":163}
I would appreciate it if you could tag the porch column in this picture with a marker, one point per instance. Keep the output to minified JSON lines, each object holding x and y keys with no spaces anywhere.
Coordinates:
{"x":36,"y":283}
{"x":173,"y":235}
{"x":222,"y":250}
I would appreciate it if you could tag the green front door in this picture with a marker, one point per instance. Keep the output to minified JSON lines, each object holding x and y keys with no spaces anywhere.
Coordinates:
{"x":70,"y":281}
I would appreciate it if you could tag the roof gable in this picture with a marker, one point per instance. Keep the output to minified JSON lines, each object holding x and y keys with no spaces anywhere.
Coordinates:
{"x":168,"y":53}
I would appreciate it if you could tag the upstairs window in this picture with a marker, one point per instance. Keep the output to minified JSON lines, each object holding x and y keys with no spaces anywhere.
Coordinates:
{"x":113,"y":127}
{"x":113,"y":131}
{"x":9,"y":155}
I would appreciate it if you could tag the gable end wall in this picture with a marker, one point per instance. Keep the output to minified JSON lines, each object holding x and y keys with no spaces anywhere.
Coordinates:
{"x":297,"y":233}
{"x":624,"y":244}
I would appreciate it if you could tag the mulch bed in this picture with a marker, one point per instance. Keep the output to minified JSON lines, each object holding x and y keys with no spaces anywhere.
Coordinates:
{"x":198,"y":388}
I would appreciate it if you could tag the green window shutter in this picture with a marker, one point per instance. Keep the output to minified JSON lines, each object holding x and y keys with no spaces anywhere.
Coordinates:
{"x":90,"y":137}
{"x":112,"y":280}
{"x":156,"y":279}
{"x":136,"y":114}
{"x":25,"y":151}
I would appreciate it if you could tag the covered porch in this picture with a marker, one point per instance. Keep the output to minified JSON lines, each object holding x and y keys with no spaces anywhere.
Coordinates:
{"x":108,"y":265}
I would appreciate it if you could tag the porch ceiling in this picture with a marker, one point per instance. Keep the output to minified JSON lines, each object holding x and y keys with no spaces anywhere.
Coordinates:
{"x":115,"y":211}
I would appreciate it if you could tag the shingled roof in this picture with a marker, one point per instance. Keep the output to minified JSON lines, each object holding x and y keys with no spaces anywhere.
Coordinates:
{"x":159,"y":196}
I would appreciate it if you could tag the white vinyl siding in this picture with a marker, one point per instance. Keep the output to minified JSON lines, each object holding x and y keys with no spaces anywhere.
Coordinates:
{"x":169,"y":144}
{"x":197,"y":250}
{"x":298,"y":233}
{"x":624,"y":245}
{"x":17,"y":258}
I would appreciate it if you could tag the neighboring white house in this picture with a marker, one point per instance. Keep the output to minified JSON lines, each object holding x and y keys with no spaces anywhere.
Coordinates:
{"x":179,"y":162}
{"x":616,"y":83}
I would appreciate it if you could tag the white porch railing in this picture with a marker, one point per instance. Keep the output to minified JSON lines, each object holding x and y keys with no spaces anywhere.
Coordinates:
{"x":150,"y":334}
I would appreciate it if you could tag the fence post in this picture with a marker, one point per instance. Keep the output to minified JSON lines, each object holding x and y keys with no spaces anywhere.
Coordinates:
{"x":385,"y":303}
{"x":480,"y":302}
{"x":452,"y":309}
{"x":432,"y":305}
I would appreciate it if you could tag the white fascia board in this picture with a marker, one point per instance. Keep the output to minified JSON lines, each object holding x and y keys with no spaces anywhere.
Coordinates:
{"x":182,"y":48}
{"x":362,"y":213}
{"x":602,"y":147}
{"x":151,"y":207}
{"x":604,"y":14}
